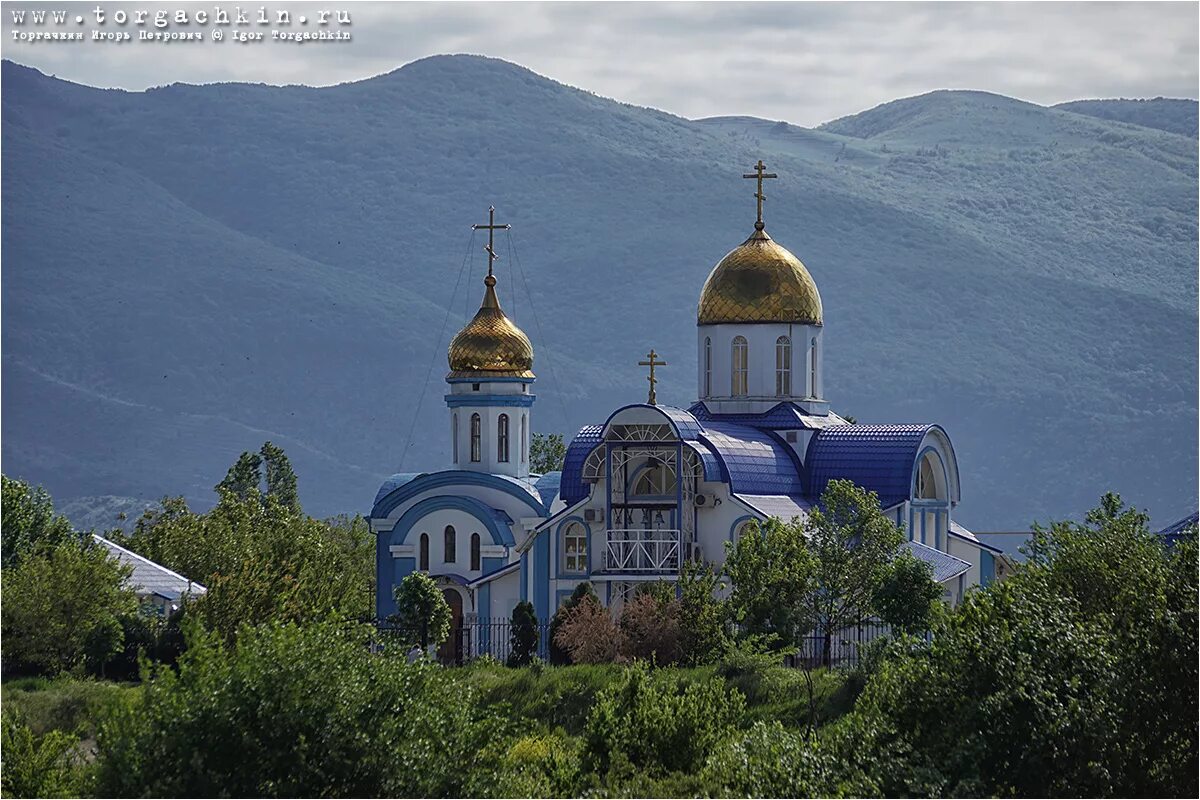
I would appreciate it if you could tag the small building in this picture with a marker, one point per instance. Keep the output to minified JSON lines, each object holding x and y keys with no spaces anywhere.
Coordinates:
{"x":153,"y":583}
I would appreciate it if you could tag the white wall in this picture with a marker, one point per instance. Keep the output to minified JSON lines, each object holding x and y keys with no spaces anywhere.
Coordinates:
{"x":517,"y":465}
{"x":761,"y":340}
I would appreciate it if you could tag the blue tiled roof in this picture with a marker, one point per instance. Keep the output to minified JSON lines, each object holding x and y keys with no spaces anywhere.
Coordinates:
{"x":571,"y":487}
{"x":712,"y":465}
{"x":547,"y":487}
{"x":876,"y":457}
{"x":395,"y":482}
{"x":945,"y":566}
{"x":1172,"y":533}
{"x":688,"y":426}
{"x":754,"y":461}
{"x":783,"y":506}
{"x":783,"y":416}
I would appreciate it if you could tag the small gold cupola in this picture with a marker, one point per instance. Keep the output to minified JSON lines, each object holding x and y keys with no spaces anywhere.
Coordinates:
{"x":759,"y":280}
{"x":491,"y":345}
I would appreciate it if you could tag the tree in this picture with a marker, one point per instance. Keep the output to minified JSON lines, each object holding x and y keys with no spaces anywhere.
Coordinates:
{"x":29,"y":522}
{"x":243,"y":478}
{"x":907,"y":598}
{"x":546,"y":452}
{"x":422,"y":614}
{"x":649,"y":625}
{"x":772,"y":572}
{"x":62,"y":607}
{"x":524,"y":636}
{"x":558,"y":655}
{"x":280,"y":478}
{"x":588,"y":634}
{"x":38,"y":766}
{"x":703,"y":632}
{"x":854,"y":546}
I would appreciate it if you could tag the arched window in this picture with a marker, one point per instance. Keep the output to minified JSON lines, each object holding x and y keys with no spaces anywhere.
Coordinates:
{"x":475,"y":551}
{"x":524,"y":439}
{"x":655,"y":480}
{"x":575,"y":547}
{"x":454,"y":435}
{"x":930,"y":478}
{"x":423,"y":563}
{"x":450,"y":556}
{"x":502,"y":438}
{"x":742,"y":529}
{"x":783,"y":366}
{"x":476,"y":449}
{"x":812,"y":390}
{"x":740,"y":377}
{"x":707,"y":366}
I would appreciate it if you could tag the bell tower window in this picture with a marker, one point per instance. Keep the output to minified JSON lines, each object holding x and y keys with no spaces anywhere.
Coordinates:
{"x":454,"y":436}
{"x":740,"y":375}
{"x":502,"y":438}
{"x":707,"y":366}
{"x":450,"y":545}
{"x":423,"y":554}
{"x":476,"y":433}
{"x":783,"y":366}
{"x":812,"y":392}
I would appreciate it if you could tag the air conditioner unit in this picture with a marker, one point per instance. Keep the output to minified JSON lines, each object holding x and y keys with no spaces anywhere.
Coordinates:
{"x":701,"y":500}
{"x":593,"y":514}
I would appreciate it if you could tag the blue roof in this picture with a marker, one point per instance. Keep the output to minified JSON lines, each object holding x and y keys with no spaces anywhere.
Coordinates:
{"x":876,"y":457}
{"x":754,"y":461}
{"x":688,"y":426}
{"x":571,"y":487}
{"x":402,"y":487}
{"x":783,"y":416}
{"x":944,"y":565}
{"x":712,"y":465}
{"x":783,"y":506}
{"x":395,"y":482}
{"x":547,"y":487}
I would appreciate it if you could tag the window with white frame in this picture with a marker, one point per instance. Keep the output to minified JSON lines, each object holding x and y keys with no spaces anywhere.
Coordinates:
{"x":740,"y":374}
{"x":783,"y":366}
{"x":575,"y":547}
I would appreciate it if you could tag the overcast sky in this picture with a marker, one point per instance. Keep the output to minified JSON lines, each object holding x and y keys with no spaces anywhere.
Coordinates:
{"x":802,"y":62}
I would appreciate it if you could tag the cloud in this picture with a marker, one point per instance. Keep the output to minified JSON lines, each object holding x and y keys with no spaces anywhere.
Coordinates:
{"x":803,"y":62}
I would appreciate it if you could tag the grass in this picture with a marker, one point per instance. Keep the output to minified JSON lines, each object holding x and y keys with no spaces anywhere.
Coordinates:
{"x":68,"y":704}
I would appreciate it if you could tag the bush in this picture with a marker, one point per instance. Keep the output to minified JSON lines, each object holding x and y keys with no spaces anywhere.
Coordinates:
{"x":702,"y":629}
{"x":658,"y":724}
{"x":650,"y":629}
{"x":524,"y":639}
{"x":588,"y":634}
{"x":422,"y":614}
{"x":767,"y":761}
{"x":38,"y":766}
{"x":559,"y":656}
{"x":294,"y":711}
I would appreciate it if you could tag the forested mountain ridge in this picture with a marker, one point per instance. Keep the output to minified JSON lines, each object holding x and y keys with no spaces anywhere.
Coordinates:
{"x":194,"y":269}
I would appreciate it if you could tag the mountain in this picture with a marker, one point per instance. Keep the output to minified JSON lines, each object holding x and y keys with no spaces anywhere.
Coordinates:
{"x":191,"y":270}
{"x":1162,"y":113}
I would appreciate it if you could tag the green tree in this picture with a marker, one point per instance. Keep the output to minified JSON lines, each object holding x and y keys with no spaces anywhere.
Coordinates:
{"x":703,"y":631}
{"x":243,"y":478}
{"x":546,"y":452}
{"x":773,"y":573}
{"x":524,"y":635}
{"x":62,"y":607}
{"x":280,"y":478}
{"x":907,"y":598}
{"x":1075,"y":676}
{"x":38,"y":766}
{"x":422,"y":614}
{"x":854,"y":546}
{"x":583,"y":590}
{"x":28,"y":521}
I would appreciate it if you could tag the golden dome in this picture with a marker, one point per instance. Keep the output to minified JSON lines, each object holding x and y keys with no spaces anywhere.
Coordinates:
{"x":759,"y":281}
{"x":491,"y":345}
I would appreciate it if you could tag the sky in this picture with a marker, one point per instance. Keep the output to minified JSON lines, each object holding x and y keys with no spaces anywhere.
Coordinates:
{"x":806,"y":63}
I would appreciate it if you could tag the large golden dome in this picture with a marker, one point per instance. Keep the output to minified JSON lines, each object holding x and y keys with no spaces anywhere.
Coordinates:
{"x":759,"y":281}
{"x":491,"y":345}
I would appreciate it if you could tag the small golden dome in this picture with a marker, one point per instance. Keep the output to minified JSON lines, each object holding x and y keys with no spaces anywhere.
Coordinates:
{"x":759,"y":281}
{"x":491,"y":345}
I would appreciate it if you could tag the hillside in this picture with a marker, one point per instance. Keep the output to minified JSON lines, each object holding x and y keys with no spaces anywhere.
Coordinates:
{"x":194,"y":269}
{"x":1163,"y":113}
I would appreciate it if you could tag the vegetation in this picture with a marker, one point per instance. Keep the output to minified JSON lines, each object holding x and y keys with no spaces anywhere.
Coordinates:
{"x":524,"y":637}
{"x":422,"y":615}
{"x":546,"y":452}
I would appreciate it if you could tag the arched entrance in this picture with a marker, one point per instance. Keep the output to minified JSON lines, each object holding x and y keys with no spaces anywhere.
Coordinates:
{"x":450,"y":651}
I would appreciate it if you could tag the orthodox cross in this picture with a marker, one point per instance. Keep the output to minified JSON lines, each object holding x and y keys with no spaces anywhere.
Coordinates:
{"x":652,"y":364}
{"x":761,"y":175}
{"x":491,"y":228}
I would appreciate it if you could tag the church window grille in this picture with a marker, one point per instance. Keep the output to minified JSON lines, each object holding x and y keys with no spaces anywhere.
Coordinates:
{"x":454,"y":437}
{"x":476,"y":449}
{"x":423,"y":563}
{"x":812,"y":391}
{"x":450,"y":556}
{"x":783,"y":366}
{"x":575,"y":547}
{"x":741,"y":367}
{"x":475,"y":560}
{"x":502,"y":438}
{"x":707,"y":366}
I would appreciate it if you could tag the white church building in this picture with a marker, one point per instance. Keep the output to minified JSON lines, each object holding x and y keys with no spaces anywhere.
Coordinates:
{"x":653,"y":486}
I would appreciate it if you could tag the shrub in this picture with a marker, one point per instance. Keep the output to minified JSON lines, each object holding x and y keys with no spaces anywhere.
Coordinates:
{"x":535,"y":765}
{"x":559,"y":656}
{"x":702,"y":630}
{"x":524,"y":639}
{"x":294,"y":711}
{"x":588,"y":634}
{"x":659,"y":724}
{"x":767,"y":761}
{"x":650,"y":629}
{"x":422,"y":614}
{"x":38,"y":766}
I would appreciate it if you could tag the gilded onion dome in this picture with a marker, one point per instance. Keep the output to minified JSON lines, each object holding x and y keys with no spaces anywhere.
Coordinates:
{"x":491,"y":345}
{"x":759,"y":281}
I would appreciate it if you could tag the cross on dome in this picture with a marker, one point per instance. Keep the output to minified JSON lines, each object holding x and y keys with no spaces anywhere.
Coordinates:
{"x":760,"y":174}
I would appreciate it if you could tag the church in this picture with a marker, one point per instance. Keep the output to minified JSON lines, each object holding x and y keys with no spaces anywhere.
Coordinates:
{"x":653,"y":486}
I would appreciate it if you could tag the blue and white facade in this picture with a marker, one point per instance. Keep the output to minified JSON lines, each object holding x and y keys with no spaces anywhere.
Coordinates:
{"x":653,"y":486}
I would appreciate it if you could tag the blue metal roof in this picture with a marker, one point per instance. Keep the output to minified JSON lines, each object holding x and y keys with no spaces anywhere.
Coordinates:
{"x":547,"y":487}
{"x":783,"y":506}
{"x":783,"y":416}
{"x":712,"y":465}
{"x":877,"y":457}
{"x":754,"y":461}
{"x":571,"y":487}
{"x":1184,"y":527}
{"x":688,"y":426}
{"x":395,"y":482}
{"x":944,"y":565}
